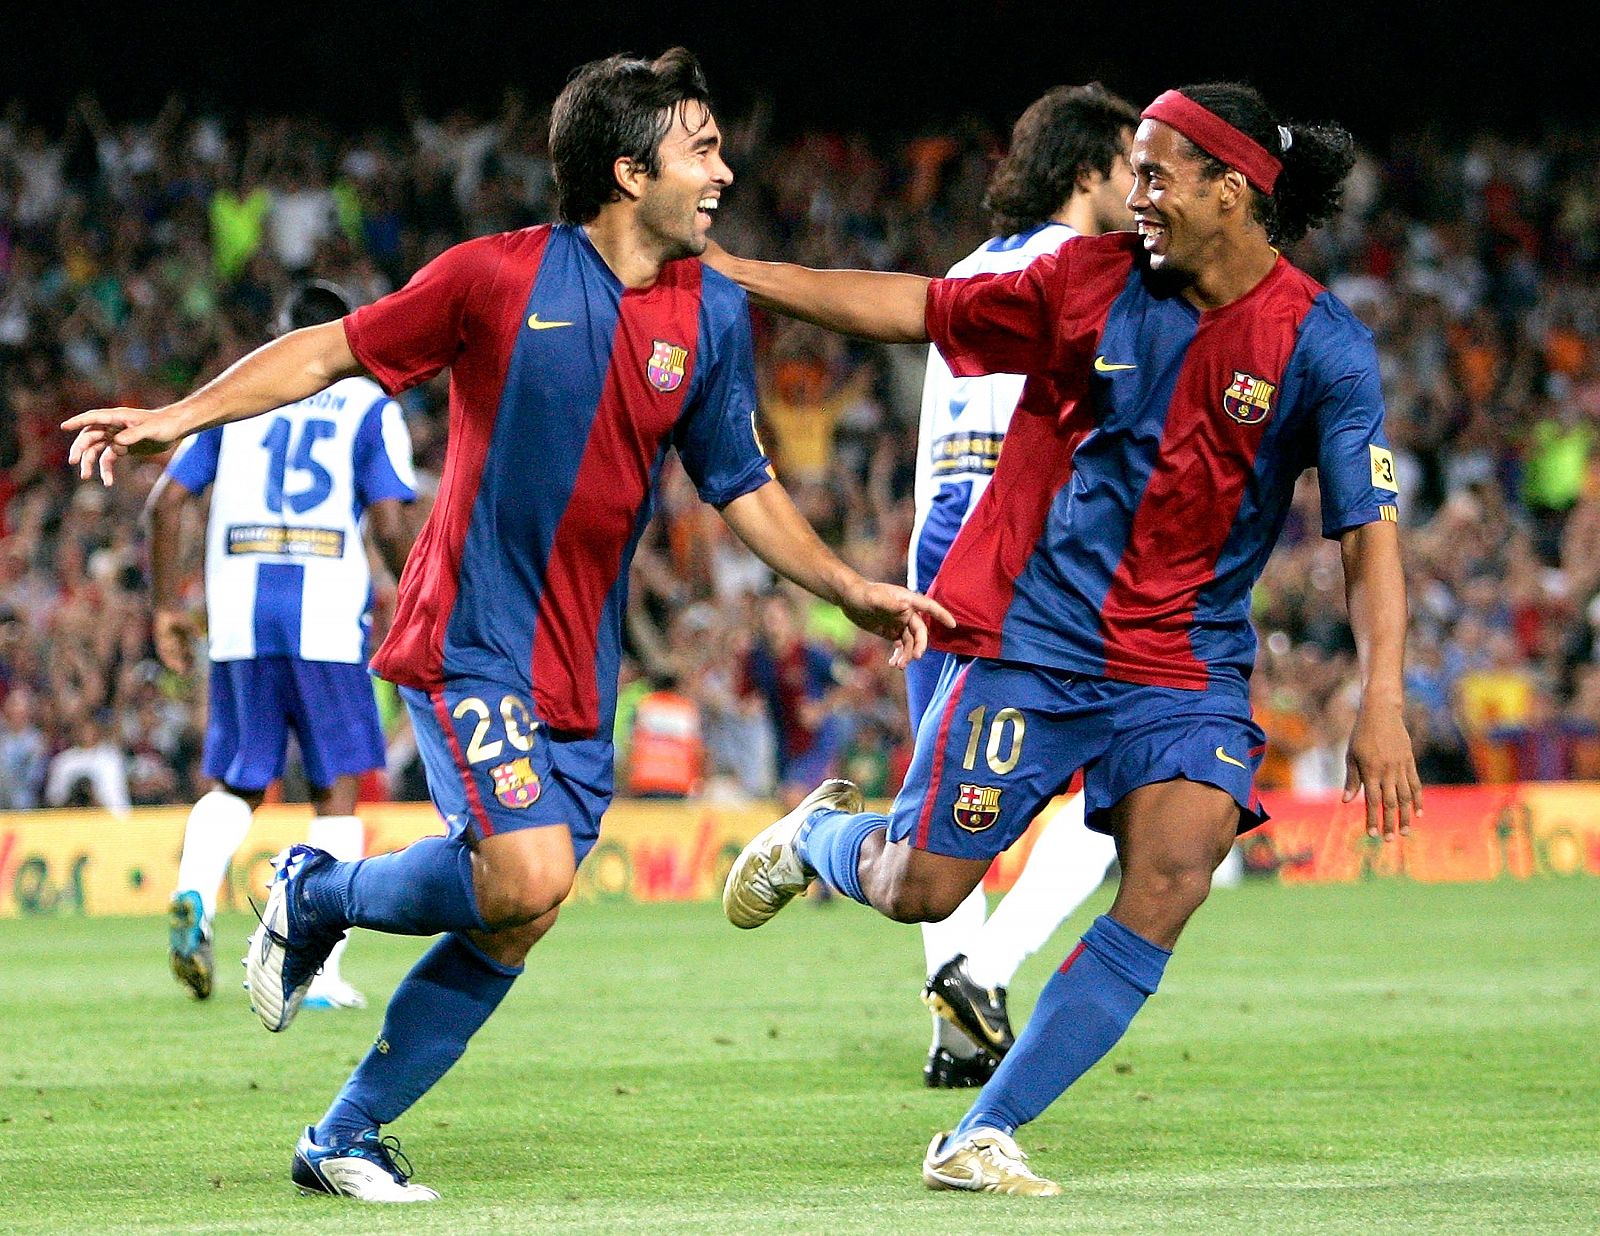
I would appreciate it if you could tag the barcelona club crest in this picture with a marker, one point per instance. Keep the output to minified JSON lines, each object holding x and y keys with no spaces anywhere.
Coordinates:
{"x":665,"y":369}
{"x":977,"y":807}
{"x":516,"y":784}
{"x":1249,"y":399}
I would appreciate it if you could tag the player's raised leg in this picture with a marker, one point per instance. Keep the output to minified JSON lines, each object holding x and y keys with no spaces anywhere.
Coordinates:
{"x":492,"y":870}
{"x":989,"y":752}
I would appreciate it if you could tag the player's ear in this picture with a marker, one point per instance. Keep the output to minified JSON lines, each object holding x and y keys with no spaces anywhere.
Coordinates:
{"x":1231,"y":189}
{"x":630,"y":177}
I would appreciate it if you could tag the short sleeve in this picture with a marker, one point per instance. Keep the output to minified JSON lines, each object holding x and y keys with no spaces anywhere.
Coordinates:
{"x":716,"y":437}
{"x":194,"y":466}
{"x":998,"y":323}
{"x":382,"y":456}
{"x":410,"y":335}
{"x":1354,"y":465}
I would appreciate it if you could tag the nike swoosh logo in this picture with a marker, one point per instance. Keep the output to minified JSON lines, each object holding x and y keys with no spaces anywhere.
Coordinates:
{"x":1228,"y":759}
{"x":1102,"y":365}
{"x":989,"y":1032}
{"x":535,"y":324}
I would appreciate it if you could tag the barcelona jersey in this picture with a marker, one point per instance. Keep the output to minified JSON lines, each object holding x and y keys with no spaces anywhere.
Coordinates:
{"x":566,"y":391}
{"x":1151,"y":461}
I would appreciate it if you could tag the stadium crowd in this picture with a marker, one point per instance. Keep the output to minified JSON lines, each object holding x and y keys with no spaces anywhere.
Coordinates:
{"x":137,"y":257}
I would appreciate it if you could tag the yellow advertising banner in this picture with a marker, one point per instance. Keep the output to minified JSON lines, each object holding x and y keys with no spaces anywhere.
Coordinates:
{"x":90,"y":862}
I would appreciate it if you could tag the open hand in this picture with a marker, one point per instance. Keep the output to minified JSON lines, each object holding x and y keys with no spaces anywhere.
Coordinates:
{"x":899,"y":615}
{"x":1380,"y":761}
{"x":106,"y":434}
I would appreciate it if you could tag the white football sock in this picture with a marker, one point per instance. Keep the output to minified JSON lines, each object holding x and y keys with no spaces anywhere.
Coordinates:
{"x":1067,"y":863}
{"x":345,"y":838}
{"x":940,"y":942}
{"x":215,"y":831}
{"x":943,"y":940}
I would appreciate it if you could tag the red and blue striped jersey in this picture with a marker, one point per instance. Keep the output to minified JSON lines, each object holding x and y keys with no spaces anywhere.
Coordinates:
{"x":1152,"y":460}
{"x":566,"y":389}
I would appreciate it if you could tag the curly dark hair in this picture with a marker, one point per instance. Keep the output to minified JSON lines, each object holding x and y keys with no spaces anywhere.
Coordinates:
{"x":617,"y":108}
{"x":1311,"y":185}
{"x":1065,"y":135}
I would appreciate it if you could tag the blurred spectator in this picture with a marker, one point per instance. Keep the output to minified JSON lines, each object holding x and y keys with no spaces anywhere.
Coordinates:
{"x":796,"y":679}
{"x":666,"y":757}
{"x":91,"y":773}
{"x":24,"y":754}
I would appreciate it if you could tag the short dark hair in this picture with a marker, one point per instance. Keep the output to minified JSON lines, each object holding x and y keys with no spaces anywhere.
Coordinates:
{"x":1310,"y":187}
{"x":617,"y":108}
{"x":312,"y":304}
{"x":1065,"y":135}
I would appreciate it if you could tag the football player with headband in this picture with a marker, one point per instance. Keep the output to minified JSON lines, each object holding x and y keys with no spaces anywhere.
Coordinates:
{"x":1180,"y":379}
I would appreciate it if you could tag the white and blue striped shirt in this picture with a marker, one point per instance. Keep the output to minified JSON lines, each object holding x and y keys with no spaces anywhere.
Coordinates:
{"x":286,"y":568}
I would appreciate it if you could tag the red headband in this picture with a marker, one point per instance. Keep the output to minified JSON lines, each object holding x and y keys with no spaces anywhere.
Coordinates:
{"x":1216,"y":137}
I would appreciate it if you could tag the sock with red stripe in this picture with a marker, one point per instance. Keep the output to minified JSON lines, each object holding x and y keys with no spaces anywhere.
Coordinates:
{"x":432,"y":1014}
{"x":1082,"y":1012}
{"x":830,"y":842}
{"x":421,"y":890}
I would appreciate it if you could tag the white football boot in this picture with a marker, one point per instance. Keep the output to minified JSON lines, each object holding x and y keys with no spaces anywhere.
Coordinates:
{"x":373,"y":1169}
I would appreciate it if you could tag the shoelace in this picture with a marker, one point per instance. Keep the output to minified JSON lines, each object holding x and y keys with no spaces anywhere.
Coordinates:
{"x":277,"y":938}
{"x":388,"y":1152}
{"x":1000,"y":1157}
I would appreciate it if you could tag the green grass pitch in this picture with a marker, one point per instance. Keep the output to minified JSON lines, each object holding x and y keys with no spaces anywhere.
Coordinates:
{"x":1378,"y":1058}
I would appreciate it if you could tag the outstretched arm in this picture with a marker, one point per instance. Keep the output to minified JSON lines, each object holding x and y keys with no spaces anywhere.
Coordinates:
{"x":1380,"y":759}
{"x":299,"y":364}
{"x":866,"y":303}
{"x":767,"y":521}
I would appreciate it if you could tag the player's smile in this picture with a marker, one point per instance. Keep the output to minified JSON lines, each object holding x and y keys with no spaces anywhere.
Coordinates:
{"x":1167,"y":196}
{"x":1153,"y":233}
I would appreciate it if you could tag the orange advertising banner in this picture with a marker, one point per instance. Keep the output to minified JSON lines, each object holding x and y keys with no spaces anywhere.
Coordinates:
{"x":1467,"y":833}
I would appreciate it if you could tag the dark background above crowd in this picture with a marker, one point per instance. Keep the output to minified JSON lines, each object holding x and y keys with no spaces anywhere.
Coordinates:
{"x":1380,"y":68}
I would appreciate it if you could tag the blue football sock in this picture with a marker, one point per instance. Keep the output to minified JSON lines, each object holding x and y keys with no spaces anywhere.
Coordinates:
{"x":421,"y":890}
{"x":830,"y":843}
{"x":1082,"y":1012}
{"x":432,"y":1014}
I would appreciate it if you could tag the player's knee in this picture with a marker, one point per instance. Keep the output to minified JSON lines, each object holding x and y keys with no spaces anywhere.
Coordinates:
{"x":506,"y":907}
{"x":912,"y":901}
{"x":1180,"y":888}
{"x":512,"y":896}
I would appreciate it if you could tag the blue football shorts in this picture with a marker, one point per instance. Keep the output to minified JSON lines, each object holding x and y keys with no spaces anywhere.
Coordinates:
{"x":255,"y":703}
{"x":922,"y":680}
{"x":493,"y":766}
{"x":1000,"y":740}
